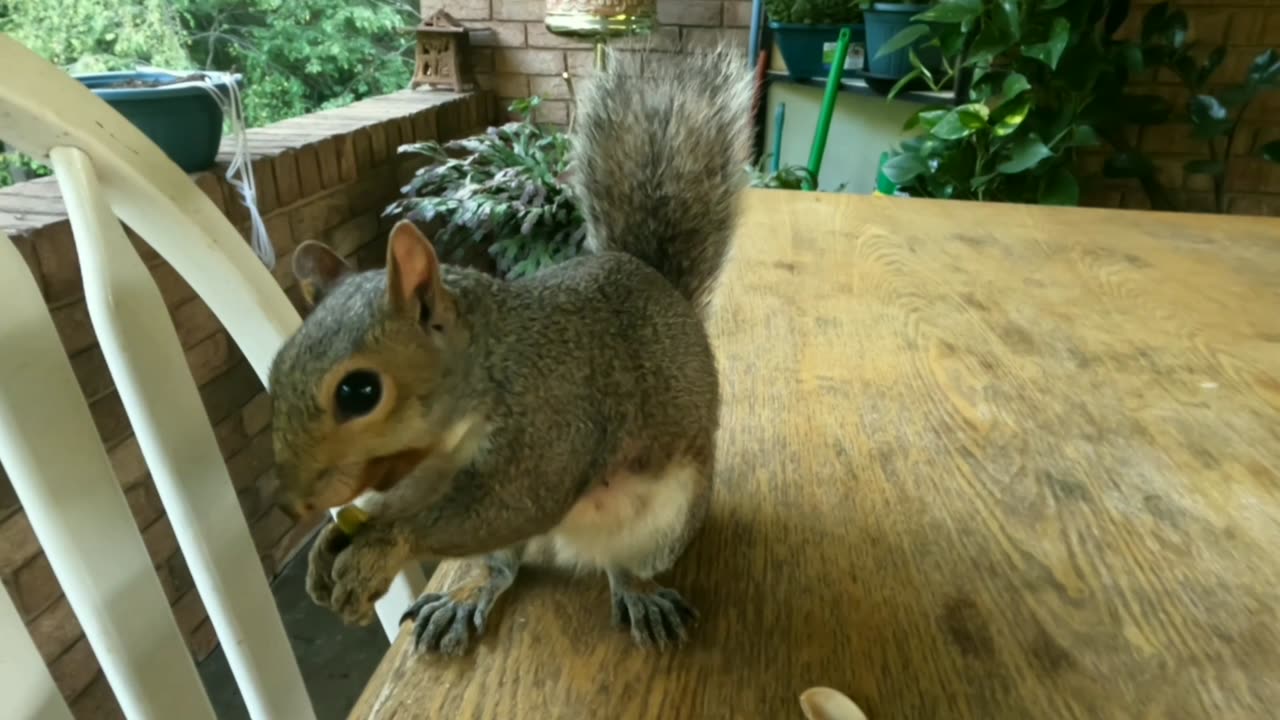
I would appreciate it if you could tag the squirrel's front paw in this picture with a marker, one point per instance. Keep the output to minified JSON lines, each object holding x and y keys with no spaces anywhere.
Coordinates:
{"x":657,"y":616}
{"x":348,"y":575}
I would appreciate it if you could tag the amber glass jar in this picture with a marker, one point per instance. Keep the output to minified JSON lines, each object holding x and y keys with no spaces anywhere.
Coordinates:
{"x":601,"y":18}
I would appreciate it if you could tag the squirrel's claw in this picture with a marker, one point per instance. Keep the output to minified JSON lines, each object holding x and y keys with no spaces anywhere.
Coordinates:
{"x":659,"y":618}
{"x":446,"y":623}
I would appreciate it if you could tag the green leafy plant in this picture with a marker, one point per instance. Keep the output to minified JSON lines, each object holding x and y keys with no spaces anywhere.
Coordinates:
{"x":787,"y":177}
{"x":504,"y":191}
{"x":1036,"y":78}
{"x":814,"y":12}
{"x":1211,"y":117}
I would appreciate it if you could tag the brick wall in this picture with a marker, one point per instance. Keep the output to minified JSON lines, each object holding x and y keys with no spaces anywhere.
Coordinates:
{"x":1246,"y":28}
{"x":326,"y":176}
{"x":514,"y":56}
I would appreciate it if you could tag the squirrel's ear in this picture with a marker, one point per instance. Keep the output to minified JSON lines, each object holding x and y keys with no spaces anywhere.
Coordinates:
{"x":318,"y":269}
{"x":414,"y":284}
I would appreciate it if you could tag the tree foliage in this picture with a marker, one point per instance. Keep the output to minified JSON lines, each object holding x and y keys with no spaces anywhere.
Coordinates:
{"x":297,"y":56}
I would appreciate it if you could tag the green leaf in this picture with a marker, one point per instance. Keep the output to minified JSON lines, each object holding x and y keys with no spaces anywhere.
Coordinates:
{"x":904,"y":168}
{"x":1153,"y":22}
{"x":951,"y":11}
{"x":1084,"y":136}
{"x":1204,"y":167}
{"x":905,"y":81}
{"x":1211,"y":65}
{"x":1271,"y":151}
{"x":1024,"y":155}
{"x":906,"y":36}
{"x":1060,"y":188}
{"x":1050,"y":51}
{"x":1052,"y":4}
{"x":1265,"y":68}
{"x":924,"y":71}
{"x":991,"y":42}
{"x":962,"y":122}
{"x":980,"y":181}
{"x":926,"y":118}
{"x":1208,"y":116}
{"x":1009,"y":16}
{"x":1009,"y":116}
{"x":1014,"y":85}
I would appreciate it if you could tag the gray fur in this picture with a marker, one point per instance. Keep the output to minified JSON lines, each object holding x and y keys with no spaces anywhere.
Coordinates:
{"x":599,"y":365}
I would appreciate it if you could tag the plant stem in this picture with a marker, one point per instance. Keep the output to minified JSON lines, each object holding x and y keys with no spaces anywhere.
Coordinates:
{"x":1155,"y":192}
{"x":1219,"y":180}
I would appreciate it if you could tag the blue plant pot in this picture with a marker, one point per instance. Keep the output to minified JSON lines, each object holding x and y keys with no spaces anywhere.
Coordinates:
{"x":182,"y":118}
{"x":809,"y":50}
{"x":885,"y":20}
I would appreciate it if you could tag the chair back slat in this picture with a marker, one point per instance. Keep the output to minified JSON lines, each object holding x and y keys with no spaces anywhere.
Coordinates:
{"x":60,"y":473}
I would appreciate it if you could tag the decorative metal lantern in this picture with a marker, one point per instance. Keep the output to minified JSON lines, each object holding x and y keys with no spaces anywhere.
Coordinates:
{"x":600,"y":20}
{"x":439,"y":53}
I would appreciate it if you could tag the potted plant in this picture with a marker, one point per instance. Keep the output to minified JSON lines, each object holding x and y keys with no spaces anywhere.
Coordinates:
{"x":892,"y":53}
{"x":176,"y":111}
{"x":807,"y":31}
{"x":499,"y":201}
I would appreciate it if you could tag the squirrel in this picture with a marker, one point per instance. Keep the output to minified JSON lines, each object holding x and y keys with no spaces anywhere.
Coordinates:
{"x":572,"y":413}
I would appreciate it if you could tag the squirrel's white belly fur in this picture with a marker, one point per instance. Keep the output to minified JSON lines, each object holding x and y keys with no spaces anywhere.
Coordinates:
{"x":625,"y":522}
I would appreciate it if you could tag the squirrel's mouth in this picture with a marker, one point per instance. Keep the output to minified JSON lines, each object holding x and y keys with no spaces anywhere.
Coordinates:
{"x":382,"y":473}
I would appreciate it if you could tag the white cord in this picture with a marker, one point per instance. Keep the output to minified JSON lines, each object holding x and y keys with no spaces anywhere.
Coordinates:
{"x":232,"y":106}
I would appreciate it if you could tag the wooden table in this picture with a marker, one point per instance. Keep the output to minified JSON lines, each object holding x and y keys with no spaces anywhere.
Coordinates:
{"x":977,"y":461}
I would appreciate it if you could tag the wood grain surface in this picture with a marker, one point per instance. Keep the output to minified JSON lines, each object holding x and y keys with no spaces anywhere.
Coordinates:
{"x":977,"y":461}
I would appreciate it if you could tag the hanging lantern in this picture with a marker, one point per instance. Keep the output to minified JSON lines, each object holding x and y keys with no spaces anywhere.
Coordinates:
{"x":600,"y":19}
{"x":440,"y":49}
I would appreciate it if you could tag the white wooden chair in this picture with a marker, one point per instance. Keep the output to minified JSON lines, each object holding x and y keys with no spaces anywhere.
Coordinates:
{"x":109,"y":172}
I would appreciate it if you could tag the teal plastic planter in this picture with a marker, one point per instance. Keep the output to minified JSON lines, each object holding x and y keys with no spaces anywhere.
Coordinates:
{"x":182,"y":118}
{"x":808,"y":49}
{"x":885,"y":20}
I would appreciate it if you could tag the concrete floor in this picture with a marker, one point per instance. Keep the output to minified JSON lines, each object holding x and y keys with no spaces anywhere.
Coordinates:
{"x":336,"y":660}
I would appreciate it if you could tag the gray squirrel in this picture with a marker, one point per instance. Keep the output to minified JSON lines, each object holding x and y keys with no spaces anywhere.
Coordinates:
{"x":572,"y":413}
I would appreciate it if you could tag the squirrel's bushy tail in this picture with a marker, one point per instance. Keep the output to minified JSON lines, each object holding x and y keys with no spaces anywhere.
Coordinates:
{"x":661,"y":159}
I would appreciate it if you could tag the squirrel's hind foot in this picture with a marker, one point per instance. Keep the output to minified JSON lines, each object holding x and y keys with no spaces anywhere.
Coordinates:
{"x":448,"y":622}
{"x":658,"y":616}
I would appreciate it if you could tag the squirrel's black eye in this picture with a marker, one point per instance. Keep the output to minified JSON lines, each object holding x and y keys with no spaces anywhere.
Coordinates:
{"x":358,"y":394}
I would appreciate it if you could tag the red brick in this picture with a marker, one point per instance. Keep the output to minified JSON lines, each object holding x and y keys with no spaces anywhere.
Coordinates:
{"x":375,"y":191}
{"x":37,"y":587}
{"x":92,"y":373}
{"x":250,"y":463}
{"x":110,"y":418}
{"x":378,"y":144}
{"x":74,"y":327}
{"x":508,"y":85}
{"x":189,"y":612}
{"x":97,"y":702}
{"x":481,"y":60}
{"x":8,"y":498}
{"x":179,"y":576}
{"x":256,"y":415}
{"x":532,"y":62}
{"x":353,"y":234}
{"x":209,"y":357}
{"x":1271,"y":30}
{"x":27,"y":249}
{"x":713,"y":37}
{"x":327,"y":158}
{"x":663,"y":39}
{"x":203,"y":640}
{"x":127,"y":462}
{"x":310,"y":220}
{"x":144,"y":503}
{"x":75,"y":669}
{"x":266,"y":195}
{"x":459,"y":9}
{"x":1247,"y":25}
{"x":549,"y":87}
{"x":211,"y":184}
{"x":161,"y":543}
{"x":173,"y":288}
{"x":55,"y":629}
{"x":347,"y":166}
{"x":553,"y":112}
{"x":737,"y":13}
{"x":580,"y":63}
{"x":1265,"y":205}
{"x":228,"y":393}
{"x":269,"y":529}
{"x":1248,"y":175}
{"x":518,"y":9}
{"x":309,"y":171}
{"x":194,"y":321}
{"x":285,"y":168}
{"x":18,"y":543}
{"x":230,"y":436}
{"x":498,"y":34}
{"x":689,"y":12}
{"x":55,"y":248}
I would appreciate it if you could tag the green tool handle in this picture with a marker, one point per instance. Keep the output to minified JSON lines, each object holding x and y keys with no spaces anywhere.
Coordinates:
{"x":819,"y":147}
{"x":779,"y":119}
